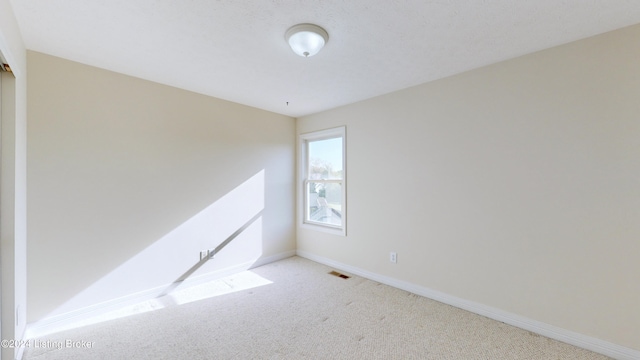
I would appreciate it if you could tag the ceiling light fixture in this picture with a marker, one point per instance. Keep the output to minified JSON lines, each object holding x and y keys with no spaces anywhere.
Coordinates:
{"x":306,"y":39}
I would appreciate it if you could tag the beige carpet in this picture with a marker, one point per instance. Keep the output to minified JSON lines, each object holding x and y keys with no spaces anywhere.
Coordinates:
{"x":303,"y":313}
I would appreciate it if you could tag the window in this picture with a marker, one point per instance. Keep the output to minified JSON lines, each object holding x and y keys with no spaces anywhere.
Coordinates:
{"x":324,"y":180}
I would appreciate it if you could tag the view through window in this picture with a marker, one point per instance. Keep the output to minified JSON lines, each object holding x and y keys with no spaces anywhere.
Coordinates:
{"x":324,"y":183}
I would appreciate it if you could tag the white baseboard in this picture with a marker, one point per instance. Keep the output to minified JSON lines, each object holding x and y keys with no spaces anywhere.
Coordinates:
{"x":586,"y":342}
{"x":20,"y":353}
{"x":273,"y":258}
{"x":71,"y":319}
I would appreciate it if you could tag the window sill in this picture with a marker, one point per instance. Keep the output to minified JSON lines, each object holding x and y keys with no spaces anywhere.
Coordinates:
{"x":325,"y":229}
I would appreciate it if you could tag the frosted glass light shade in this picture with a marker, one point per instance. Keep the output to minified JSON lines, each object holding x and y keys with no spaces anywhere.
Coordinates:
{"x":306,"y":39}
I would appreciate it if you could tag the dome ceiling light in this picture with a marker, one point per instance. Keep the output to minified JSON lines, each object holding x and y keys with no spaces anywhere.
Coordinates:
{"x":306,"y":39}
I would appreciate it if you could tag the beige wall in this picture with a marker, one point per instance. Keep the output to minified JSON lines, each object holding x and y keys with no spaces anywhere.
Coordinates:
{"x":129,"y":180}
{"x":13,"y":216}
{"x":515,"y":186}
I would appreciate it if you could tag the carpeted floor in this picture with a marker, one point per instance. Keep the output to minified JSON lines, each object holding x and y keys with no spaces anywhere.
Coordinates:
{"x":300,"y":312}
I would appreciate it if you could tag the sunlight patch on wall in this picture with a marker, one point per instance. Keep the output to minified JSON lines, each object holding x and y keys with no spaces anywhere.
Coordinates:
{"x":232,"y":226}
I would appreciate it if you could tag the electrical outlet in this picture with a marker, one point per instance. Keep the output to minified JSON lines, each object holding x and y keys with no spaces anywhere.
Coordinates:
{"x":204,"y":254}
{"x":393,"y":257}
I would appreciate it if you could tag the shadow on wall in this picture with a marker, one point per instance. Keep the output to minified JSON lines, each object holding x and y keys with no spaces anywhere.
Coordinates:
{"x":230,"y":228}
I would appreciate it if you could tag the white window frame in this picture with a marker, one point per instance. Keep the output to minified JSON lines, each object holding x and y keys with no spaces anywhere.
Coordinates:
{"x":304,"y":139}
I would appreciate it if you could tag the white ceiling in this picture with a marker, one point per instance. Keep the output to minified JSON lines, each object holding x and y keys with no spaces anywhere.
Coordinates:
{"x":235,"y":49}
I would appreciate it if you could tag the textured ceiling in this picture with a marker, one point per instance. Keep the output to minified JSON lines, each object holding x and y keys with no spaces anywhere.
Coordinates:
{"x":235,"y":49}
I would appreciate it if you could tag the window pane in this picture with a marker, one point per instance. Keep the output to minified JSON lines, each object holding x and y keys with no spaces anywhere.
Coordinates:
{"x":325,"y":159}
{"x":324,"y":203}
